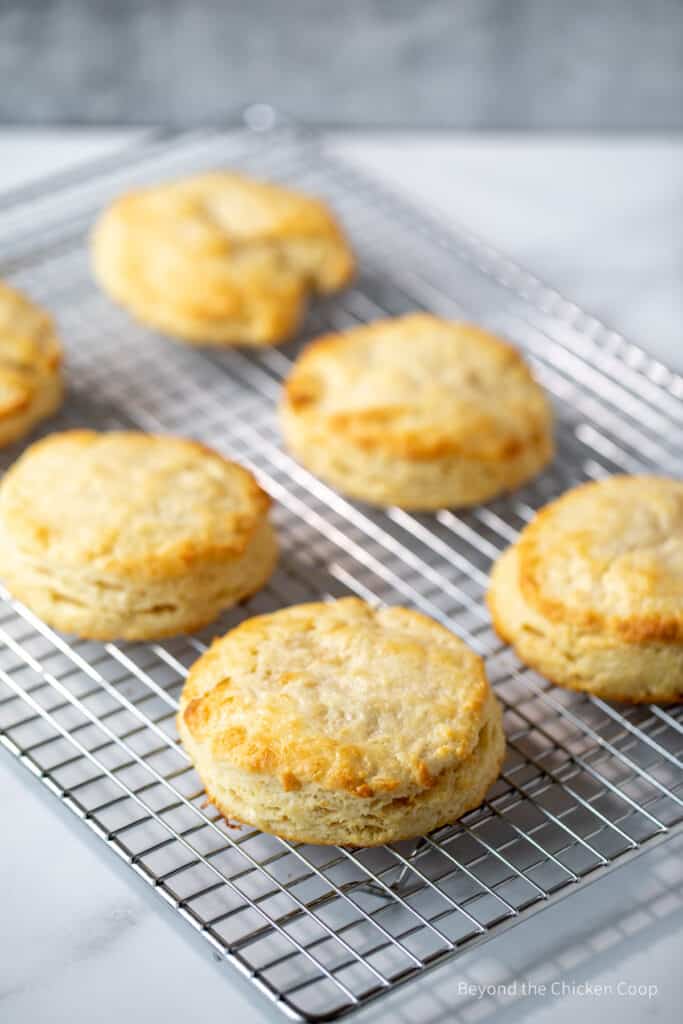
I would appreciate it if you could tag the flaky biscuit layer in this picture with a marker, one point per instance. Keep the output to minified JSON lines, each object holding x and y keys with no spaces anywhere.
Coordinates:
{"x":125,"y":534}
{"x":591,"y":595}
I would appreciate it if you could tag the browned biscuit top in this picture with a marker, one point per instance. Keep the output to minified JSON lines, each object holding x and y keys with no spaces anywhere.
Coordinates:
{"x":128,"y":503}
{"x":608,"y":557}
{"x":419,"y":388}
{"x":29,"y":351}
{"x":341,"y":695}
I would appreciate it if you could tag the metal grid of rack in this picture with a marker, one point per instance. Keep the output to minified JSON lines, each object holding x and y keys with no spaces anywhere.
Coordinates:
{"x":586,"y":784}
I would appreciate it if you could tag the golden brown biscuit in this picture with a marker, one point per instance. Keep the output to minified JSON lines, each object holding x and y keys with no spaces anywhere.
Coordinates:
{"x":417,"y":412}
{"x":131,"y":535}
{"x":30,"y":365}
{"x":219,"y":259}
{"x":591,"y":595}
{"x":340,"y":724}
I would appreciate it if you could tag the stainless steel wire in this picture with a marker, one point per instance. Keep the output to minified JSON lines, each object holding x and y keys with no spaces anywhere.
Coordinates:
{"x":586,"y":784}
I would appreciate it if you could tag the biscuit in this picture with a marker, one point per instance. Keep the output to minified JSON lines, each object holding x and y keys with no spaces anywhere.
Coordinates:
{"x":417,"y":412}
{"x":340,"y":724}
{"x":131,"y":535}
{"x":591,"y":594}
{"x":30,"y":365}
{"x":219,"y":259}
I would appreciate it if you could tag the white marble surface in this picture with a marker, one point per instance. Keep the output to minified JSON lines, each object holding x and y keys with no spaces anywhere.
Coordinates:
{"x":84,"y":941}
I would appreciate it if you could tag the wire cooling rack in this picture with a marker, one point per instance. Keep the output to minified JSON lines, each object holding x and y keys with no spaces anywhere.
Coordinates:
{"x":586,"y":784}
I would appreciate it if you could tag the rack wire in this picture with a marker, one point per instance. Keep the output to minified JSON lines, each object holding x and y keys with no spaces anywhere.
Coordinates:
{"x":586,"y":784}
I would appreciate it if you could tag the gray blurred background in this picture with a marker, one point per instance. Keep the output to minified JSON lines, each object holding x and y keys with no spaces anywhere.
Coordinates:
{"x":595,"y":65}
